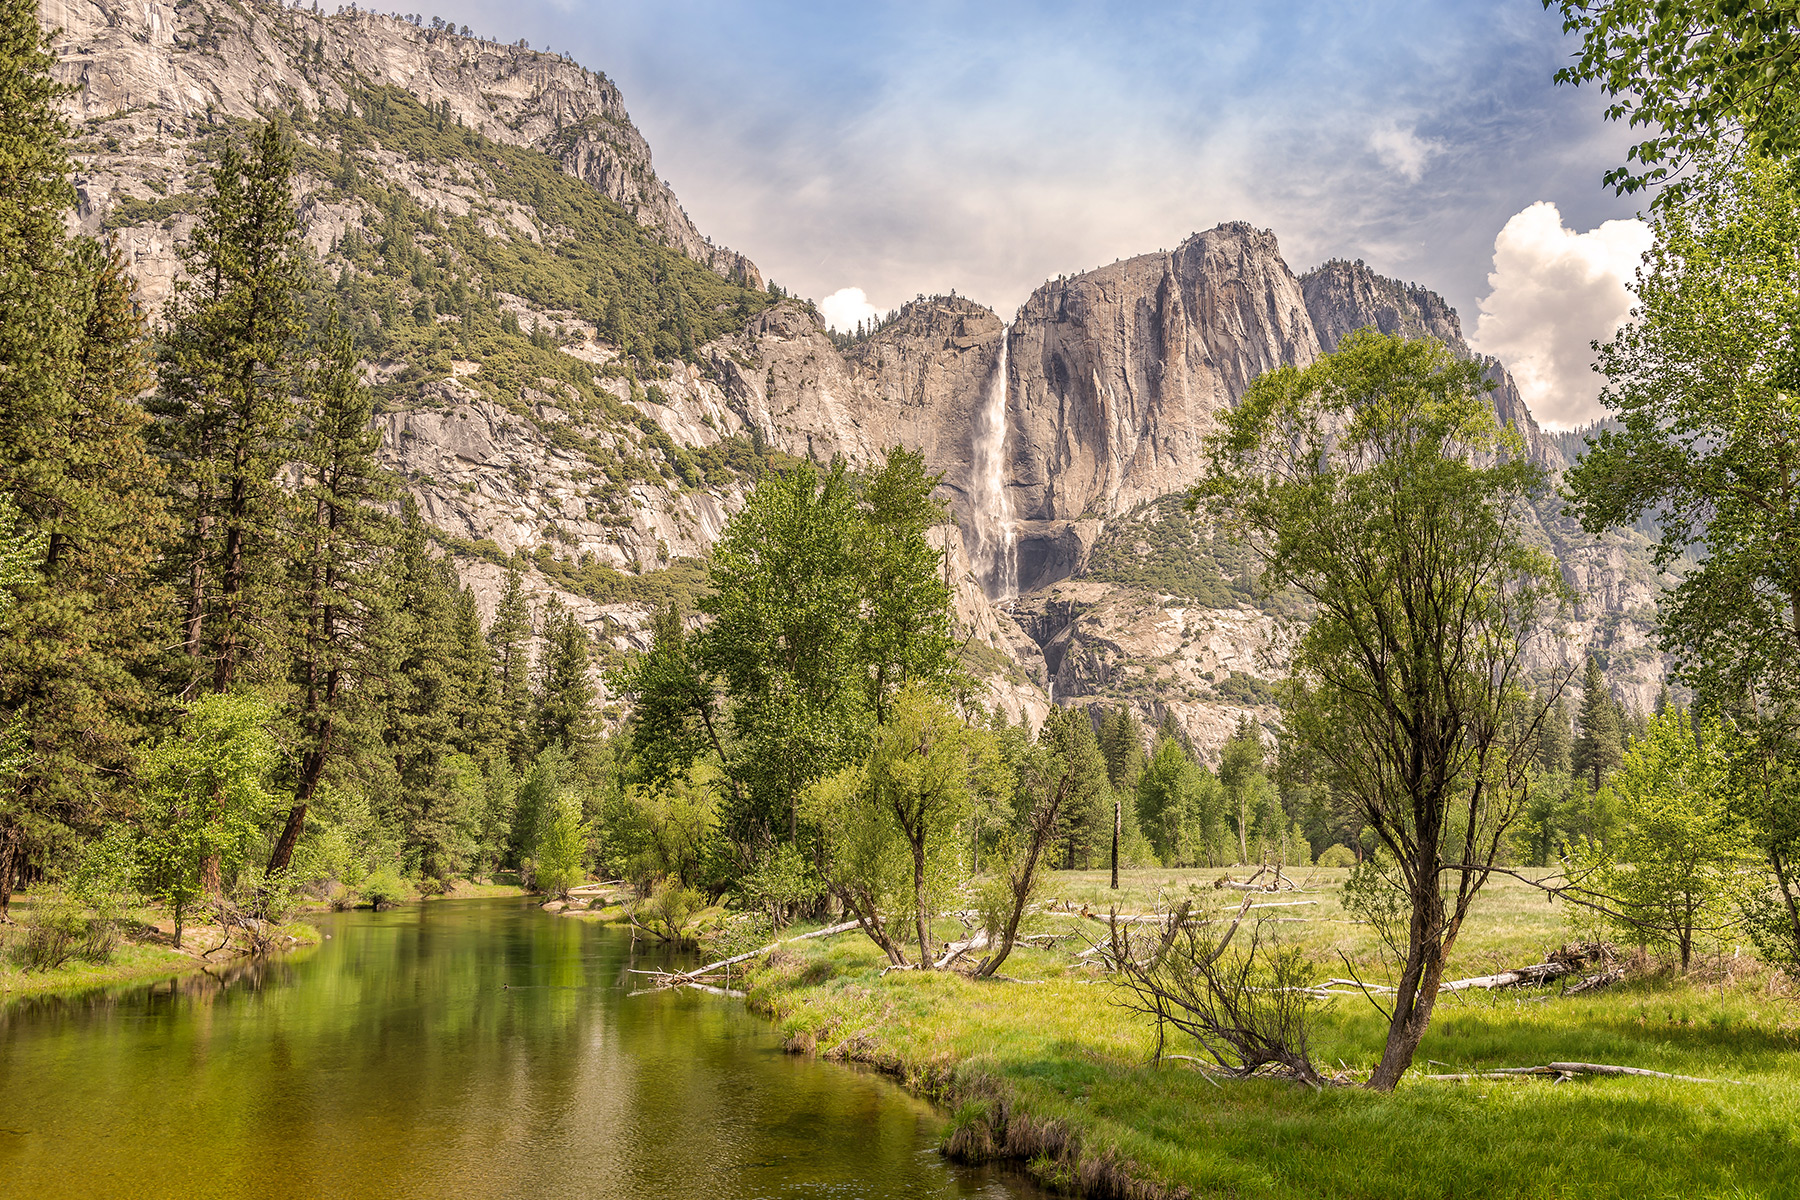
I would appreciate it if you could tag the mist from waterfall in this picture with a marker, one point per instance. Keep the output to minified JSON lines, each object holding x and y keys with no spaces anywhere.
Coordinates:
{"x":995,"y":551}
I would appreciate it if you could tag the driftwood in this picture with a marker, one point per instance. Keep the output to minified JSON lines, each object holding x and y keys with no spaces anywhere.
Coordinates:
{"x":683,"y":978}
{"x":1565,"y":1071}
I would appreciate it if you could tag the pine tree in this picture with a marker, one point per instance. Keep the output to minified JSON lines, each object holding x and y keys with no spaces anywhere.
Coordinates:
{"x":225,"y":402}
{"x":84,"y":492}
{"x":338,"y":538}
{"x":1556,"y":744}
{"x":1599,"y":740}
{"x":480,"y":729}
{"x":421,"y":704}
{"x":1122,"y":744}
{"x":564,"y":695}
{"x":510,"y":637}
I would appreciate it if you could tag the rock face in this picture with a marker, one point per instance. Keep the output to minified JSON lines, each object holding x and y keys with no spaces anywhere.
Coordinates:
{"x":1108,"y":381}
{"x":151,"y":75}
{"x":1117,"y":373}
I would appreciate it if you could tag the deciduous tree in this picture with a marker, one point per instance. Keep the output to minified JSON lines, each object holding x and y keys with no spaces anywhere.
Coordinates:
{"x":1377,"y":484}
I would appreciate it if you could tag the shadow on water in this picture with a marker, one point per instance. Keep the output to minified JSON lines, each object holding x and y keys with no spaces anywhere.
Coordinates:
{"x":459,"y":1048}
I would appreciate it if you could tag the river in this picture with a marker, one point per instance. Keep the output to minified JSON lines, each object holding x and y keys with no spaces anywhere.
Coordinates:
{"x":477,"y":1048}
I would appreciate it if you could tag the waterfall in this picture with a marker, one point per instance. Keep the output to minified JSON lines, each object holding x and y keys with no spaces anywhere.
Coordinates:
{"x":995,"y":549}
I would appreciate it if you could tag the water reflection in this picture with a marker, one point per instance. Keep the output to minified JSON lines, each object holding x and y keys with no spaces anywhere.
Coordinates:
{"x":473,"y":1048}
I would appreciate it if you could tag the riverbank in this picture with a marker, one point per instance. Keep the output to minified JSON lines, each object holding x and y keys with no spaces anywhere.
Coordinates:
{"x":145,"y":953}
{"x":1055,"y":1076}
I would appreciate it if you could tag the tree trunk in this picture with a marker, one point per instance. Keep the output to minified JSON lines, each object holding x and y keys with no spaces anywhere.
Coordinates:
{"x":919,"y":902}
{"x":1243,"y":837}
{"x":196,"y":606}
{"x":1118,"y":818}
{"x":6,"y":877}
{"x":290,"y":836}
{"x":1781,"y":878}
{"x":1418,"y":989}
{"x":232,"y":580}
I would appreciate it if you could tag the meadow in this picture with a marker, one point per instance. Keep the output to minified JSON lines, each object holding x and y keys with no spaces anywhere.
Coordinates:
{"x":1048,"y":1068}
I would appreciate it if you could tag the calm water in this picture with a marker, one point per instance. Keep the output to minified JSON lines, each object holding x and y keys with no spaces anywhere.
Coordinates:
{"x":463,"y":1048}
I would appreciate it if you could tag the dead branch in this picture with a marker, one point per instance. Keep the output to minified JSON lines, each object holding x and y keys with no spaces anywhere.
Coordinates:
{"x":1248,"y":1010}
{"x":679,"y":978}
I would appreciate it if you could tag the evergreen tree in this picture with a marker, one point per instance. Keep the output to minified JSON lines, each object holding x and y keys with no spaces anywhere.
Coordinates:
{"x":672,"y":721}
{"x":510,"y":637}
{"x":225,"y":402}
{"x":1086,"y":821}
{"x":1122,"y":742}
{"x":1122,"y":745}
{"x":1556,"y":745}
{"x":906,"y":636}
{"x":422,"y":705}
{"x":1241,"y":764}
{"x":84,"y":493}
{"x":564,"y":694}
{"x":1599,"y":741}
{"x":480,"y":726}
{"x":338,"y":537}
{"x":1181,"y":806}
{"x":548,"y":777}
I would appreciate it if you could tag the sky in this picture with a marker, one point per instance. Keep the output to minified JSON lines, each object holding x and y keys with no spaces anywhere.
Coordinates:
{"x":865,"y":153}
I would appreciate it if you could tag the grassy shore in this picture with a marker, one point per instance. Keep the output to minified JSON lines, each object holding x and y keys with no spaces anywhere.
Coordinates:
{"x":146,"y":952}
{"x":1055,"y":1075}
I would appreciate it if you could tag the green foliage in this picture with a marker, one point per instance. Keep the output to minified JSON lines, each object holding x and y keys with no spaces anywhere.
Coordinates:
{"x":1702,"y":380}
{"x":826,"y":601}
{"x":1700,"y":74}
{"x":577,"y":253}
{"x":205,"y":798}
{"x":83,"y":513}
{"x":224,"y":404}
{"x":1377,"y":483}
{"x":1376,"y":894}
{"x":892,"y":826}
{"x":1670,"y":875}
{"x":669,"y":910}
{"x":1181,"y":807}
{"x":561,"y":847}
{"x":782,"y":881}
{"x":1703,"y":383}
{"x":666,"y":828}
{"x":1599,"y":745}
{"x":1337,"y":857}
{"x":564,"y":696}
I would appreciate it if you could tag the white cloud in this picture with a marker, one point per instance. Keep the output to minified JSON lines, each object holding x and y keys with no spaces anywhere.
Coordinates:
{"x":1552,"y":292}
{"x":845,"y":307}
{"x":1403,"y":151}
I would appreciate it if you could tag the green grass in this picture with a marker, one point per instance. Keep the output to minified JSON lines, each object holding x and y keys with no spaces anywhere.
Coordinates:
{"x":144,"y":954}
{"x":1060,"y":1055}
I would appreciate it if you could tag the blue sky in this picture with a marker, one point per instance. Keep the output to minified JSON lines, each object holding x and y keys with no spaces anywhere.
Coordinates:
{"x":916,"y":148}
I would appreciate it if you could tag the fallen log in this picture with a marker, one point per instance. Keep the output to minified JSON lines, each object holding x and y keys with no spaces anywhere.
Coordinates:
{"x":673,"y":978}
{"x":1278,"y":904}
{"x":1568,"y":1070}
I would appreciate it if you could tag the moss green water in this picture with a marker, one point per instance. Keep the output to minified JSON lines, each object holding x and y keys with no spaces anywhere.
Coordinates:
{"x":463,"y":1048}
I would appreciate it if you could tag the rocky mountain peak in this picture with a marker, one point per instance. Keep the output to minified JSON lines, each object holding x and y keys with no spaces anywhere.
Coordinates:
{"x":150,"y":76}
{"x":1343,"y":296}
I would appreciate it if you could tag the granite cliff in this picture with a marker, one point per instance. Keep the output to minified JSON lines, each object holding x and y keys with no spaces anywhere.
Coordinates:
{"x":488,"y":212}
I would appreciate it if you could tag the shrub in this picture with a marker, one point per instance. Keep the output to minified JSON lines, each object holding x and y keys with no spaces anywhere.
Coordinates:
{"x":1337,"y":856}
{"x":383,"y":887}
{"x":669,"y":909}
